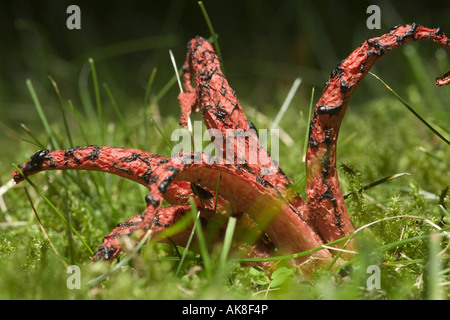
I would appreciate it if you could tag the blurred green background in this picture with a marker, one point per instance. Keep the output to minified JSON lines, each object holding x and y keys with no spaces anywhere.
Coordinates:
{"x":265,"y":46}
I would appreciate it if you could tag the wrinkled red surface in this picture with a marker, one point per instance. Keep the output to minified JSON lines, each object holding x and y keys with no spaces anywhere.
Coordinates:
{"x":323,"y":190}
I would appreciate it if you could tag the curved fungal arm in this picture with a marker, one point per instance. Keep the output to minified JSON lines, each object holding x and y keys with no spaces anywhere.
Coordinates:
{"x":283,"y":225}
{"x":163,"y":176}
{"x":222,"y":112}
{"x":132,"y":164}
{"x":329,"y":213}
{"x":248,"y":240}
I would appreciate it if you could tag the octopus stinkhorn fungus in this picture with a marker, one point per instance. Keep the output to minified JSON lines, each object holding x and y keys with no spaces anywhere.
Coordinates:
{"x":258,"y":193}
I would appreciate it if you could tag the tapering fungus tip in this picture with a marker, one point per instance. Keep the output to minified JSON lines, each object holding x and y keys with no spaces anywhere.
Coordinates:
{"x":187,"y":102}
{"x":444,"y":80}
{"x":17,"y":177}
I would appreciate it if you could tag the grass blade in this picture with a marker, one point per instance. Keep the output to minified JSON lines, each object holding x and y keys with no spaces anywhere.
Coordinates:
{"x":117,"y":49}
{"x":188,"y":244}
{"x":60,"y":215}
{"x":85,"y":96}
{"x":286,"y":102}
{"x":434,"y":156}
{"x":201,"y":239}
{"x":147,"y":106}
{"x":41,"y":115}
{"x":114,"y":104}
{"x":420,"y":72}
{"x":408,"y":106}
{"x":79,"y":121}
{"x":311,"y":105}
{"x":66,"y":126}
{"x":97,"y":98}
{"x":161,"y":93}
{"x":36,"y":141}
{"x":177,"y":73}
{"x":151,"y":79}
{"x":42,"y":227}
{"x":385,"y":247}
{"x":213,"y":225}
{"x":178,"y":227}
{"x":434,"y":268}
{"x":378,"y":182}
{"x":169,"y":144}
{"x":217,"y":193}
{"x":227,"y":240}
{"x":211,"y":30}
{"x":172,"y":58}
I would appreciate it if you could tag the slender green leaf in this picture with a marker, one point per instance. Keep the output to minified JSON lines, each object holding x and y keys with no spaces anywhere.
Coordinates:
{"x":434,"y":291}
{"x":58,"y":213}
{"x":97,"y":99}
{"x":211,"y":30}
{"x":201,"y":239}
{"x":227,"y":240}
{"x":408,"y":106}
{"x":311,"y":106}
{"x":41,"y":115}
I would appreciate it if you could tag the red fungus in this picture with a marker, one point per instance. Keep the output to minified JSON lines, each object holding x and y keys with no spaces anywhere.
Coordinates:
{"x":258,"y":194}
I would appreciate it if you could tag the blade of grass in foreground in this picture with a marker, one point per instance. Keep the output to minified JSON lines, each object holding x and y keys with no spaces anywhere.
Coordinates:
{"x":212,"y":225}
{"x":178,"y":227}
{"x":194,"y":216}
{"x":188,"y":244}
{"x":227,"y":240}
{"x":408,"y":106}
{"x":42,"y":227}
{"x":201,"y":239}
{"x":60,"y":215}
{"x":434,"y":268}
